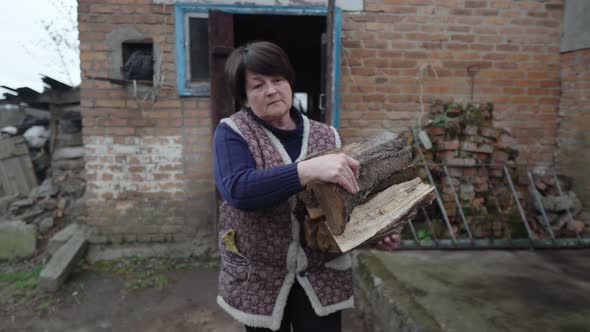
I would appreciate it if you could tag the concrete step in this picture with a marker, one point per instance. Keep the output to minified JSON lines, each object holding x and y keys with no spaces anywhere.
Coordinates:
{"x":56,"y":271}
{"x":61,"y":237}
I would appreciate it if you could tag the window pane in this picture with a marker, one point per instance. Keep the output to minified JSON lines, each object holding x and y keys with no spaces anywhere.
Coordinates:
{"x":199,"y":48}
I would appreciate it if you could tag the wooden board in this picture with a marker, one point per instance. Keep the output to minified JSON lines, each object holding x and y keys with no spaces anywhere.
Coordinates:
{"x":16,"y":169}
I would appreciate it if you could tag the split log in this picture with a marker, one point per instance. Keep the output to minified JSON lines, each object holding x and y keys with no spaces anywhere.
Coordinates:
{"x":384,"y":160}
{"x":383,"y":215}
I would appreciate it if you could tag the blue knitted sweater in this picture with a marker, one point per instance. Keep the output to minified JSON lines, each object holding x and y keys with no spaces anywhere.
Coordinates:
{"x":237,"y":179}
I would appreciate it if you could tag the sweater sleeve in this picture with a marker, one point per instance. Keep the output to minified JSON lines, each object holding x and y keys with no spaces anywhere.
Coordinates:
{"x":240,"y":183}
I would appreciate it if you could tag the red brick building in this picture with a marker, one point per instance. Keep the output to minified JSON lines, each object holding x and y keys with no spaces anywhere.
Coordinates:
{"x":148,"y":146}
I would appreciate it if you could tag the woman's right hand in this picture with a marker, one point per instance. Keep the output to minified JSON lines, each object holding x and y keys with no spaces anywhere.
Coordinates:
{"x":334,"y":168}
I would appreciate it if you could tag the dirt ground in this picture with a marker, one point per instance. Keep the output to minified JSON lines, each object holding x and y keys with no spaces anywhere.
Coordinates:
{"x":135,"y":294}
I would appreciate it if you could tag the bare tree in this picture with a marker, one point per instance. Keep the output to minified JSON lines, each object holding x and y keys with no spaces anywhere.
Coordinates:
{"x":61,"y":39}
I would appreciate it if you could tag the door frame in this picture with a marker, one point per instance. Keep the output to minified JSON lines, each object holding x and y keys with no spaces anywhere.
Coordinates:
{"x":183,"y":10}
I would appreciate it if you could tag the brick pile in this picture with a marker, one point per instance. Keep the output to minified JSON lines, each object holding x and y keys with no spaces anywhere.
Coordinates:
{"x":554,"y":204}
{"x":474,"y":152}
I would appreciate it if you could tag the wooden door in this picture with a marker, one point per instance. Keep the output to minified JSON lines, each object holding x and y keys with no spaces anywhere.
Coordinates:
{"x":329,"y":68}
{"x":221,"y":43}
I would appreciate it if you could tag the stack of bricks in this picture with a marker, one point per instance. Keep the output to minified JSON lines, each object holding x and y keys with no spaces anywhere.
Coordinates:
{"x":474,"y":153}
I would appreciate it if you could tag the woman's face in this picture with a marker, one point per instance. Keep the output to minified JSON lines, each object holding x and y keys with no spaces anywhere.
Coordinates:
{"x":269,"y":97}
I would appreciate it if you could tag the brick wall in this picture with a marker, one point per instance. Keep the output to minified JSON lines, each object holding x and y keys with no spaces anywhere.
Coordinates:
{"x":148,"y":163}
{"x":514,"y":43}
{"x":574,"y":121}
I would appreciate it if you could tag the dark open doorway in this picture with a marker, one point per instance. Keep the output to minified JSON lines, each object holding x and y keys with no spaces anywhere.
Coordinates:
{"x":301,"y":38}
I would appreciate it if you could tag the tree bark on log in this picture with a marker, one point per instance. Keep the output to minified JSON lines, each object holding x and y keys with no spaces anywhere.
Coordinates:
{"x":384,"y":160}
{"x":389,"y":195}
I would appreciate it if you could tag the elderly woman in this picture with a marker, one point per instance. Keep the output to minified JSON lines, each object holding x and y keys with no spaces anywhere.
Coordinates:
{"x":269,"y":280}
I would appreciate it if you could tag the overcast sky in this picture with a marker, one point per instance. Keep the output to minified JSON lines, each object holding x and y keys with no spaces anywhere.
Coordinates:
{"x":28,"y":51}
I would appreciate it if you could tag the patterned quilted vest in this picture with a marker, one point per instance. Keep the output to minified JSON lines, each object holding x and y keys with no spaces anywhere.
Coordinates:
{"x":261,"y":252}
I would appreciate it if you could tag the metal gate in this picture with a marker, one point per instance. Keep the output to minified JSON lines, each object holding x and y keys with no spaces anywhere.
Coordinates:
{"x":467,"y":240}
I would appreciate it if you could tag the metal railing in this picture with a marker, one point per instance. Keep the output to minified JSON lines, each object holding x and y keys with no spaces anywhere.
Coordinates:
{"x":470,"y":242}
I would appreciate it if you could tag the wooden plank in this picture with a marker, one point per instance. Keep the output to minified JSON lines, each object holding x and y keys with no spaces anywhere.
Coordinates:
{"x":16,"y":175}
{"x":330,"y":79}
{"x":10,"y":147}
{"x":221,"y":42}
{"x":26,"y":165}
{"x":6,"y":186}
{"x":16,"y":169}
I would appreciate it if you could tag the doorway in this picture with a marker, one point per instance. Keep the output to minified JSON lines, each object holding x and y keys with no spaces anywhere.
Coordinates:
{"x":301,"y":38}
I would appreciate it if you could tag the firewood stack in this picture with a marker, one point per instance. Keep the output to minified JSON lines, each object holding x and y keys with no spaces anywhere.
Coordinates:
{"x":389,"y":195}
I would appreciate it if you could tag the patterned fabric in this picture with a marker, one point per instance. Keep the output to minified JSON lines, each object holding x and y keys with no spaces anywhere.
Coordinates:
{"x":253,"y":280}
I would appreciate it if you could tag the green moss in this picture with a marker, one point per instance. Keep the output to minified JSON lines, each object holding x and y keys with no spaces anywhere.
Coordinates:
{"x":453,"y":107}
{"x":453,"y":131}
{"x":473,"y":115}
{"x":513,"y":153}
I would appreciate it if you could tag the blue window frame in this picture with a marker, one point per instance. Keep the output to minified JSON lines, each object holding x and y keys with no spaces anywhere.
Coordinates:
{"x":182,"y":13}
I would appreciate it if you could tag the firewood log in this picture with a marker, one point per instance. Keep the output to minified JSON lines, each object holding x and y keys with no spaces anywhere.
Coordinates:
{"x":384,"y":160}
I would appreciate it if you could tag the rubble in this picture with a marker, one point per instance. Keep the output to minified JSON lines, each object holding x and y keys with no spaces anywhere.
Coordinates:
{"x":56,"y":271}
{"x":560,"y":210}
{"x":475,"y":153}
{"x":49,"y":138}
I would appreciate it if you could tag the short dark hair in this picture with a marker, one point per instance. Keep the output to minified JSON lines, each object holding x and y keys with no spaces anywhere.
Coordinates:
{"x":261,"y":57}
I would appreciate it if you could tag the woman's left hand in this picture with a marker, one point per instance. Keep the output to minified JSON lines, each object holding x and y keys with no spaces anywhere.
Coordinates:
{"x":389,"y":243}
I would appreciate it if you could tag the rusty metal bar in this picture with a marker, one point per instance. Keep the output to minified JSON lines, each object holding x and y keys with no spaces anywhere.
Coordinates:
{"x":569,"y":213}
{"x":438,"y":199}
{"x":517,"y":200}
{"x":458,"y":203}
{"x":498,"y":207}
{"x":462,"y":244}
{"x":429,"y":224}
{"x":537,"y":196}
{"x":414,"y":233}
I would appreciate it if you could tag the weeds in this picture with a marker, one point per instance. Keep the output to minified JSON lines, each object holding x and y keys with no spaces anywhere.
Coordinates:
{"x":142,"y":272}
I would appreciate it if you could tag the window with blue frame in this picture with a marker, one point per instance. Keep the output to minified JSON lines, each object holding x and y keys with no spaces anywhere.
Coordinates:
{"x":198,"y":49}
{"x":192,"y":46}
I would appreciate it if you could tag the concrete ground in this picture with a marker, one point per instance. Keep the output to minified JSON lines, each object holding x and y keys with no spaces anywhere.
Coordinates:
{"x":94,"y":301}
{"x":463,"y":291}
{"x":478,"y":291}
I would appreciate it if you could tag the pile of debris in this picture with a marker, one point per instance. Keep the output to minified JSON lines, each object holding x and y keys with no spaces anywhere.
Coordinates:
{"x":47,"y":203}
{"x":41,"y":165}
{"x":462,"y":139}
{"x":555,"y":204}
{"x":469,"y":160}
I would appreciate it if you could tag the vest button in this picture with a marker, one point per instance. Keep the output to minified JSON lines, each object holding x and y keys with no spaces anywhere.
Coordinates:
{"x":303,"y":274}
